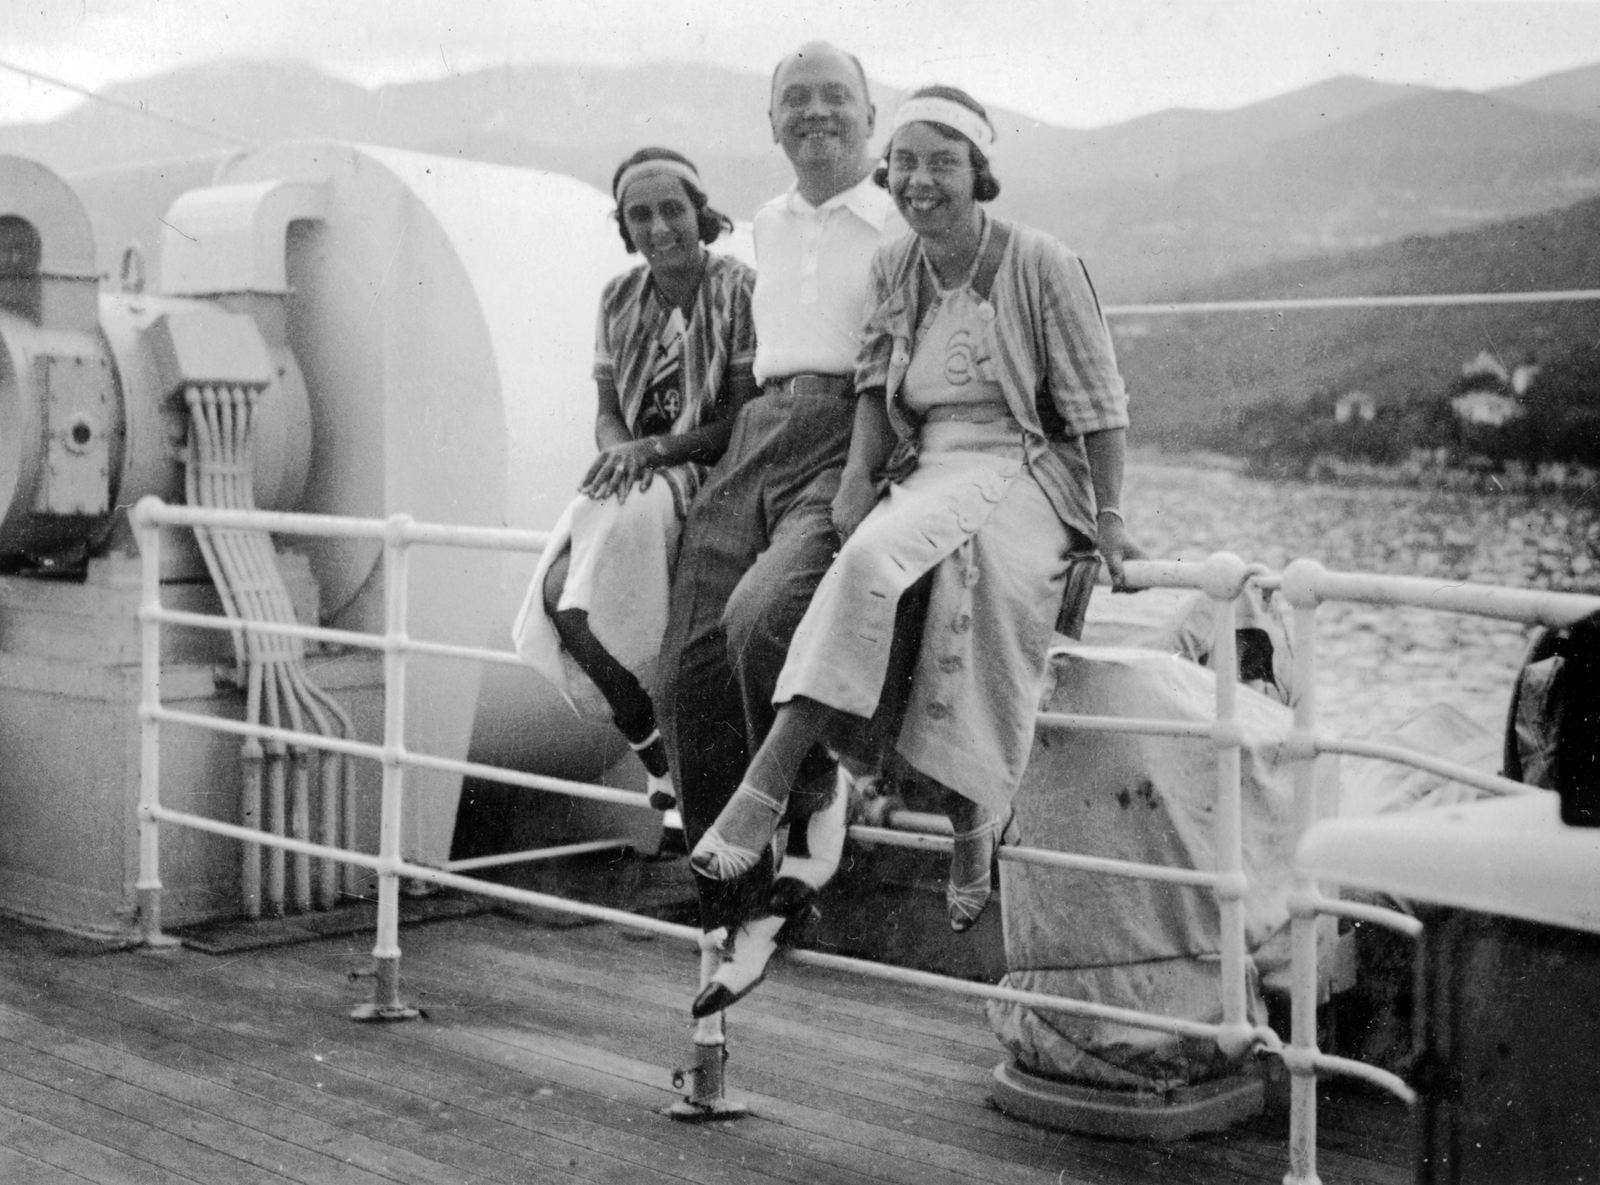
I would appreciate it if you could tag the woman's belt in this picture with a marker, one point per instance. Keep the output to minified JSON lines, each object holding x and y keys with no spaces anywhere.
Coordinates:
{"x":972,"y":413}
{"x":839,"y":386}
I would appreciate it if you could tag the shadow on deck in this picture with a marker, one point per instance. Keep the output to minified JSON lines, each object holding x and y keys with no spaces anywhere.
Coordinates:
{"x":546,"y":1055}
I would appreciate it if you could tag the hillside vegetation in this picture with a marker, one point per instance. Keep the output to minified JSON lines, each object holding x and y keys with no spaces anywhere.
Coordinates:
{"x":1265,"y":382}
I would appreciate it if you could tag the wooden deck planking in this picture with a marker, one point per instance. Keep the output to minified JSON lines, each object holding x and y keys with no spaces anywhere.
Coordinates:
{"x":847,"y":1072}
{"x":225,"y":1037}
{"x":832,"y":1101}
{"x":546,"y":1056}
{"x":863,"y":1066}
{"x":18,"y":1168}
{"x":319,"y":1022}
{"x":1263,"y":1160}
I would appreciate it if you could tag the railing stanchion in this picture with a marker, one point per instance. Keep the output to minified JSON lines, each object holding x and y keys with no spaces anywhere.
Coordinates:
{"x":1224,"y":579}
{"x":148,"y":886}
{"x":386,"y":1005}
{"x":1300,"y":589}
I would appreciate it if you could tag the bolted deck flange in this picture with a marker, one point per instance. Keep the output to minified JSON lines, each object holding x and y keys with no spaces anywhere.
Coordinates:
{"x":385,"y":1006}
{"x":706,"y":1103}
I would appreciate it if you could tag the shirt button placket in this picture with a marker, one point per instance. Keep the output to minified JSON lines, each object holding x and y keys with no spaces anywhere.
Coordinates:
{"x":810,"y":255}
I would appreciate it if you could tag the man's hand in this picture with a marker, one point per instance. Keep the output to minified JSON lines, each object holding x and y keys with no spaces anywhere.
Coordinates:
{"x":1116,"y":547}
{"x":857,"y":495}
{"x":618,"y":468}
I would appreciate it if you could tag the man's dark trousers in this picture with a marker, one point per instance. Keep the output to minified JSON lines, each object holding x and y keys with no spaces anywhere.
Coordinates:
{"x":754,"y":548}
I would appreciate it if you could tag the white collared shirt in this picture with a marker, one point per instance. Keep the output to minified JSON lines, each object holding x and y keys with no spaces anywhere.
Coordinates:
{"x":812,"y":295}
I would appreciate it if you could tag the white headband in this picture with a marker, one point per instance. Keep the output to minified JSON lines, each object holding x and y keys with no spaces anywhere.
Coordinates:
{"x":675,"y":168}
{"x":931,"y":109}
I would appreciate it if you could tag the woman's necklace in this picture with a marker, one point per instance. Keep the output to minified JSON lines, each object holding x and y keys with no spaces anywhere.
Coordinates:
{"x":962,"y":262}
{"x":679,"y":289}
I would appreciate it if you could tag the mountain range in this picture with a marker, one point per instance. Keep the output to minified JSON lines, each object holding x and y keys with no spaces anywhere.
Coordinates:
{"x":1156,"y":204}
{"x":1348,"y":185}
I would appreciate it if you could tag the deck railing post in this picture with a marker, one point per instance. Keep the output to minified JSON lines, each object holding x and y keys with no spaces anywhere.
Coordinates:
{"x":1300,"y":589}
{"x":1223,"y":581}
{"x":386,"y":1005}
{"x":147,"y":888}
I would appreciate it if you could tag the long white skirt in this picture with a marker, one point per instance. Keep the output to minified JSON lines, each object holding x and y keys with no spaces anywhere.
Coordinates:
{"x":973,"y":514}
{"x":623,"y":555}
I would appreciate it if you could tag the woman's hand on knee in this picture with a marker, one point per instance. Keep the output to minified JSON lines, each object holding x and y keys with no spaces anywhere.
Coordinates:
{"x":619,"y":468}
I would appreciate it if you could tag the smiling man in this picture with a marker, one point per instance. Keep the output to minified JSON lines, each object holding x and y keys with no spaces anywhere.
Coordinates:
{"x":760,"y":534}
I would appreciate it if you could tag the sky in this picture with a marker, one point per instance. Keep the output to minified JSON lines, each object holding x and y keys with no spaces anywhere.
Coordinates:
{"x":1078,"y":63}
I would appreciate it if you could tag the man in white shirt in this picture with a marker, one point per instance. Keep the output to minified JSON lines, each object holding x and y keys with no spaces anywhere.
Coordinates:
{"x":760,"y":534}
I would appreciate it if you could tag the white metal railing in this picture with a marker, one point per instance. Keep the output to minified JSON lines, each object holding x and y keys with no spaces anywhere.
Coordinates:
{"x":1410,"y":300}
{"x":1305,"y":584}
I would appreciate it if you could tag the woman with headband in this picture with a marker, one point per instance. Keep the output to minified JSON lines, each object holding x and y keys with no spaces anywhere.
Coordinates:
{"x":673,"y":354}
{"x":986,"y":459}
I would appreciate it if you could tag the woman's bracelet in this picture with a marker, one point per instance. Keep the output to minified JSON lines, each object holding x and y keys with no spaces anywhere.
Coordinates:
{"x":1113,"y":512}
{"x":656,"y":450}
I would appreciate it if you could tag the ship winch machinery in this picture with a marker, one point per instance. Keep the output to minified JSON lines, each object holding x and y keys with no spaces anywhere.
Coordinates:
{"x":327,"y":329}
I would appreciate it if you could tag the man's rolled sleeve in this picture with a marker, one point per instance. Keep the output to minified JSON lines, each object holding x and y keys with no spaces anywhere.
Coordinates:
{"x":877,"y":337}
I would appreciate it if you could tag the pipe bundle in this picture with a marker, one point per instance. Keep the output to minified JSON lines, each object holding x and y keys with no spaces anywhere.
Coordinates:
{"x":280,"y":692}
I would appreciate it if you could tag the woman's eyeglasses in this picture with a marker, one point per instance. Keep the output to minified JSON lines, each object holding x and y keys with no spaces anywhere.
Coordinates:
{"x":939,"y":167}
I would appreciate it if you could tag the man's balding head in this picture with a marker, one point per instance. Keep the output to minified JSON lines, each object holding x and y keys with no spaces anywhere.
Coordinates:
{"x":822,"y":115}
{"x":817,"y":50}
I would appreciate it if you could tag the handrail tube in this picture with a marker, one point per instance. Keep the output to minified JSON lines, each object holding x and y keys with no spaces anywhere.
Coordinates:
{"x":487,"y":538}
{"x":319,"y":633}
{"x":373,"y":752}
{"x":1198,"y":729}
{"x":1359,"y":911}
{"x":1141,"y":574}
{"x":600,"y":913}
{"x":266,"y":732}
{"x":282,"y":629}
{"x":1349,"y":1066}
{"x":1041,"y":1000}
{"x":1309,"y":303}
{"x":1528,"y":606}
{"x":530,"y":855}
{"x":919,"y":821}
{"x":1493,"y":783}
{"x":266,"y":839}
{"x":1043,"y":857}
{"x":1186,"y":1028}
{"x":280,"y":522}
{"x":505,"y":658}
{"x":475,"y":769}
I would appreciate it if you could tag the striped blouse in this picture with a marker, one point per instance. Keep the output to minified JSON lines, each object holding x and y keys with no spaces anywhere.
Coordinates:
{"x":671,"y":374}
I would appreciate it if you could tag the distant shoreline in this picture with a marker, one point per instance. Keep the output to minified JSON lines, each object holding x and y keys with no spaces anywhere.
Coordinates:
{"x":1572,"y":482}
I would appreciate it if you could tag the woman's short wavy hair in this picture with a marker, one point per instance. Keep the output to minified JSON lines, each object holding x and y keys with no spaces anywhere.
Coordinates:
{"x":713,"y":223}
{"x":985,"y":185}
